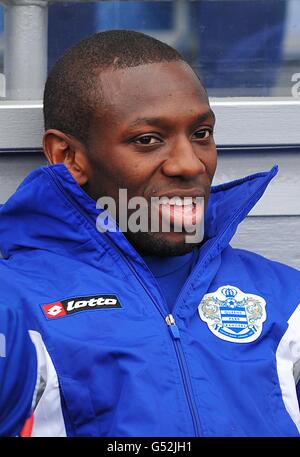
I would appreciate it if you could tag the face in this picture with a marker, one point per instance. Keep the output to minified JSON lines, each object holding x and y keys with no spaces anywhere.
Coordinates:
{"x":154,"y":138}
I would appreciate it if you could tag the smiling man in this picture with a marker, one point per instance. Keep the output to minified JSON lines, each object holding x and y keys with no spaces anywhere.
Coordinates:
{"x":155,"y":140}
{"x":141,"y":332}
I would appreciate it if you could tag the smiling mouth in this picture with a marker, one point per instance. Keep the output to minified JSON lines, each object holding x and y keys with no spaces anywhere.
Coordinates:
{"x":181,"y":213}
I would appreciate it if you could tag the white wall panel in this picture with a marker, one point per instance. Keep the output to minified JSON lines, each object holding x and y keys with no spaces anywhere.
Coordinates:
{"x":14,"y":168}
{"x":277,"y":238}
{"x":283,"y":195}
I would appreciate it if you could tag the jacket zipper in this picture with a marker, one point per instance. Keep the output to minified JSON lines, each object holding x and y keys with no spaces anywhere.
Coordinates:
{"x":169,"y":319}
{"x":184,"y":371}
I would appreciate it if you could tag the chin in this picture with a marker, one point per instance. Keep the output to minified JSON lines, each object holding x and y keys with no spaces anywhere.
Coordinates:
{"x":160,"y":244}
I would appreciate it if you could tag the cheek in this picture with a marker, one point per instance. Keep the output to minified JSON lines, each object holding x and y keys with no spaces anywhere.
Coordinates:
{"x":131,"y":174}
{"x":138,"y":170}
{"x":211,"y":163}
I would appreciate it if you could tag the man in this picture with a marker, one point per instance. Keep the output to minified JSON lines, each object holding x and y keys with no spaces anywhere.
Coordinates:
{"x":145,"y":333}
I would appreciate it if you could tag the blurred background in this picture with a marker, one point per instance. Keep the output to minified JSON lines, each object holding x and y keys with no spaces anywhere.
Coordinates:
{"x":240,"y":47}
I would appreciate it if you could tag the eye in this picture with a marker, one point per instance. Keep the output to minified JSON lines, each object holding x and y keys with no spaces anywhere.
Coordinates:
{"x":147,"y":140}
{"x":203,"y":134}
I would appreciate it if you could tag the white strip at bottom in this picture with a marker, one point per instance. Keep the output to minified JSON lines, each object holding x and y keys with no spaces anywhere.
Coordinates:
{"x":288,"y":366}
{"x":48,"y":417}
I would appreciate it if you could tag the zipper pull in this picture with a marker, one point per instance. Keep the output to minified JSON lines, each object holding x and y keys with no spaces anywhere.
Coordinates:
{"x":172,"y":326}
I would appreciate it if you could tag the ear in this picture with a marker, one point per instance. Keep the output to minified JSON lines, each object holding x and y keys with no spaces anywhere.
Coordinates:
{"x":62,"y":148}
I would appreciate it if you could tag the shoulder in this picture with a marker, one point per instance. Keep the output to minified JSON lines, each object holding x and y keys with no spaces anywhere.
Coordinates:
{"x":10,"y":286}
{"x":252,"y":259}
{"x":279,"y":282}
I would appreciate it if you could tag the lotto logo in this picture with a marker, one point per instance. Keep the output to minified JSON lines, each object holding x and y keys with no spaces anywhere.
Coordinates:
{"x":74,"y":305}
{"x":54,"y":310}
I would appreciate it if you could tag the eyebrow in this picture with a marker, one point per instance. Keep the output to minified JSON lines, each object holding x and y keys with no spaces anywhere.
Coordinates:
{"x":161,"y":122}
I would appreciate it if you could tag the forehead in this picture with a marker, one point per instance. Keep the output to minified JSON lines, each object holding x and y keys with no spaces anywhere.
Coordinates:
{"x":167,"y":88}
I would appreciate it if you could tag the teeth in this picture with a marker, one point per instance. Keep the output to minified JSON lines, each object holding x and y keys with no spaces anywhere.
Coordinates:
{"x":188,"y":200}
{"x":164,"y":200}
{"x":178,"y":201}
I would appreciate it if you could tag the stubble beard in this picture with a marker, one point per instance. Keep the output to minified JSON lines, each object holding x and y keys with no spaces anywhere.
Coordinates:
{"x":156,"y":244}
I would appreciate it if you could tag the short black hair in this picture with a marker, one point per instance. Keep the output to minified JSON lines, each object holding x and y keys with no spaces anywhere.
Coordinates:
{"x":71,"y":93}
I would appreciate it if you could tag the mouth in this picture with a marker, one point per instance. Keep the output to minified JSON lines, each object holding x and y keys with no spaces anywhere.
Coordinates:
{"x":181,"y":213}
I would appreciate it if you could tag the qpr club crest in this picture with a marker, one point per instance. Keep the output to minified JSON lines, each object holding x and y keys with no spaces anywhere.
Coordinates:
{"x":233,"y":315}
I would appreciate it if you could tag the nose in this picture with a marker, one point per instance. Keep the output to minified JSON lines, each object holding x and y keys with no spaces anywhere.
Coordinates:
{"x":183,"y":160}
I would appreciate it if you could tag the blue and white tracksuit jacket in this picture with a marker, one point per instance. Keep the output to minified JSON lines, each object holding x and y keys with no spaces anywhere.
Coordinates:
{"x":111,"y":360}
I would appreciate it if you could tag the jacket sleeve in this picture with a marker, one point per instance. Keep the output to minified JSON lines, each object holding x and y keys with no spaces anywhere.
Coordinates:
{"x":18,"y":371}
